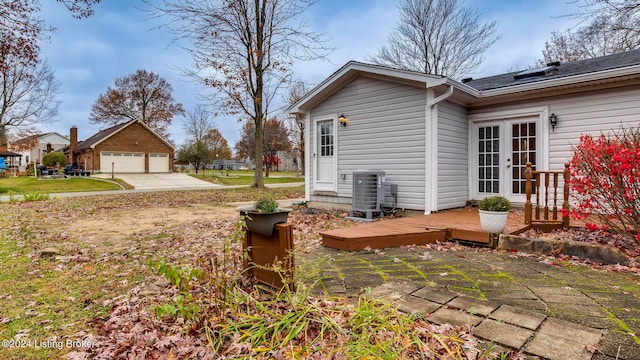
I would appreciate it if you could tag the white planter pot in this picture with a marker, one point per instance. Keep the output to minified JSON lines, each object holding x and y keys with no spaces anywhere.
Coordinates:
{"x":493,"y":221}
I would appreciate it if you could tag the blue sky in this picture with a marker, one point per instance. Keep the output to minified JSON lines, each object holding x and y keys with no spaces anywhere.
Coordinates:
{"x":88,"y":55}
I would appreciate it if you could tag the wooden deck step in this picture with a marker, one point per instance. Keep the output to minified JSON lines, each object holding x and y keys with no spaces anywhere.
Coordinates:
{"x":353,"y":239}
{"x":458,"y":224}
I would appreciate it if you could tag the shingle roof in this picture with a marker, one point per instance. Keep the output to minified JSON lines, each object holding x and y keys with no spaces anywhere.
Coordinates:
{"x":101,"y":135}
{"x":9,"y":154}
{"x":36,"y":136}
{"x":609,"y":62}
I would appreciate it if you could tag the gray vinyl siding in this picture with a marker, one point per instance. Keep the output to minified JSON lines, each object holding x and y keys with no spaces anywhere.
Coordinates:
{"x":584,"y":113}
{"x":453,"y":155}
{"x":386,"y":132}
{"x":592,"y":113}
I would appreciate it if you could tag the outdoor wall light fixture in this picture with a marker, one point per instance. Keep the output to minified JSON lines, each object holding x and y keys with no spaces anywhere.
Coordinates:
{"x":553,"y":120}
{"x":343,"y":119}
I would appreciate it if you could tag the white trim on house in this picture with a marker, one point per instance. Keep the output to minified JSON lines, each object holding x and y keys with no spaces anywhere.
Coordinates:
{"x":431,"y":113}
{"x":353,"y":69}
{"x":633,"y":72}
{"x":330,"y":185}
{"x":307,"y":156}
{"x":502,"y":117}
{"x":430,"y":152}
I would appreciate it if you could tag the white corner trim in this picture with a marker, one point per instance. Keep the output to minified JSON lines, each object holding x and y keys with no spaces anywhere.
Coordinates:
{"x":307,"y":156}
{"x":333,"y":184}
{"x":429,"y":180}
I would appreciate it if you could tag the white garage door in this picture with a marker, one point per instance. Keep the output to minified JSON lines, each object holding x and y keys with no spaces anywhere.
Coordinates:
{"x":122,"y":162}
{"x":158,"y":163}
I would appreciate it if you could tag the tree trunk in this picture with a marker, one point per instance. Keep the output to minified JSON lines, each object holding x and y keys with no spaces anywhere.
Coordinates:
{"x":258,"y":181}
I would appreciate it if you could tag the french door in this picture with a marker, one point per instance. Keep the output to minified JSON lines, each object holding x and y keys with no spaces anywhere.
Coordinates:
{"x":502,"y":150}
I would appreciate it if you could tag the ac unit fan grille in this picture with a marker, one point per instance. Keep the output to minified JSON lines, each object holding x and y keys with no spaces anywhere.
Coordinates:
{"x":368,"y":192}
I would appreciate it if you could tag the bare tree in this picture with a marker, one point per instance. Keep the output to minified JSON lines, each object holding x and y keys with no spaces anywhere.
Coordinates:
{"x":296,"y":122}
{"x":27,"y":94}
{"x":205,"y":143}
{"x":243,"y":49}
{"x":623,"y":15}
{"x":80,"y":8}
{"x":608,"y":27}
{"x":143,"y":96}
{"x":437,"y":37}
{"x":198,"y":123}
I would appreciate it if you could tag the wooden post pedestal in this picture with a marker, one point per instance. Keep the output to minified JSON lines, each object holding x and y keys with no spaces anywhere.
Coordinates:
{"x":263,"y":251}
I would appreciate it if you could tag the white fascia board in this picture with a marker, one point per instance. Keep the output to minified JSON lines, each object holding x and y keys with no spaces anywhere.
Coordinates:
{"x":569,"y":80}
{"x":464,"y":88}
{"x":345,"y":74}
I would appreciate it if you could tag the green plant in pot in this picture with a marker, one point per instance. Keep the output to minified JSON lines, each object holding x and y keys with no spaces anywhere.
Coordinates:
{"x":494,"y":212}
{"x":264,"y":215}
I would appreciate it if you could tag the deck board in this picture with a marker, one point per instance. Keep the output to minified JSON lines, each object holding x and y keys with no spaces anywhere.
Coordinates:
{"x":457,"y":224}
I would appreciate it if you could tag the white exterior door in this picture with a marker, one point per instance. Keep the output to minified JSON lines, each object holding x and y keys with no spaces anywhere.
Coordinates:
{"x":501,"y":151}
{"x":121,"y":162}
{"x":325,"y":156}
{"x":158,"y":163}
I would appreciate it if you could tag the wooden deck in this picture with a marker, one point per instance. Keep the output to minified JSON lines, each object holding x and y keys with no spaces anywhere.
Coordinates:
{"x":458,"y":224}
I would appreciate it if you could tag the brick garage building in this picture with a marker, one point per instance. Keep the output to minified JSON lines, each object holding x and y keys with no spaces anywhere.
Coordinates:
{"x":130,"y":147}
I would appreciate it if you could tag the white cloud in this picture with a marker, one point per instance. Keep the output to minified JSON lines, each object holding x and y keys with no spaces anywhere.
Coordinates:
{"x":89,"y":54}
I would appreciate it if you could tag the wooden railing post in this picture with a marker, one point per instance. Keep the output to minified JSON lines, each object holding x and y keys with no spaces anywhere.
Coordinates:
{"x":546,"y":196}
{"x":537,"y":208}
{"x":565,"y":202}
{"x":528,"y":189}
{"x":555,"y":197}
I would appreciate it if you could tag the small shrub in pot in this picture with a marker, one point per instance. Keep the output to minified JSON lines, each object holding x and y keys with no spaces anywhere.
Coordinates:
{"x":263,"y":215}
{"x":494,"y":213}
{"x":495,"y":203}
{"x":266,"y":205}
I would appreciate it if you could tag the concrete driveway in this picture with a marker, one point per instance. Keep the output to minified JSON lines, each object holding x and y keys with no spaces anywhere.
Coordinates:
{"x":166,"y":181}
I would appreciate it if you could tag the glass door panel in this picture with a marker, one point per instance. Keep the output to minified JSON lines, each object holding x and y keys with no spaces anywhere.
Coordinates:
{"x":325,"y":149}
{"x":489,"y":159}
{"x":523,"y":150}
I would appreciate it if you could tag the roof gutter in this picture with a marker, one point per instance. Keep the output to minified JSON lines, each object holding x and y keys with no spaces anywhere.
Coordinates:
{"x":563,"y":81}
{"x":442,"y":97}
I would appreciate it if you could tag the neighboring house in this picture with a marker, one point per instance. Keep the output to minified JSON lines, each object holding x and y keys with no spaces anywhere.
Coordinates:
{"x":289,"y":160}
{"x":9,"y":161}
{"x":228,"y":164}
{"x":32,"y":148}
{"x":443,"y":142}
{"x":130,"y":147}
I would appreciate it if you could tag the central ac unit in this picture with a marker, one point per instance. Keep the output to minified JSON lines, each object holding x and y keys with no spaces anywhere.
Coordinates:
{"x":368,"y":193}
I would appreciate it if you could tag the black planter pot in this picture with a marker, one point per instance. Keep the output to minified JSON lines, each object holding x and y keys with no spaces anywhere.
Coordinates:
{"x":262,"y":223}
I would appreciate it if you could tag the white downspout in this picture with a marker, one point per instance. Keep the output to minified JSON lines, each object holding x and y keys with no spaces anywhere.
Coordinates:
{"x":431,"y":161}
{"x":307,"y":156}
{"x":442,"y":97}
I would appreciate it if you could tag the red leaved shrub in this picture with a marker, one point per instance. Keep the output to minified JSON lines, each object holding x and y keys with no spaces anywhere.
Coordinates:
{"x":605,"y":179}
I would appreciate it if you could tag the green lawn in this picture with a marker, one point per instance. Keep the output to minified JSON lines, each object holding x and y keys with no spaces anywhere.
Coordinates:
{"x":246,"y":177}
{"x":27,"y":184}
